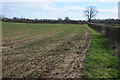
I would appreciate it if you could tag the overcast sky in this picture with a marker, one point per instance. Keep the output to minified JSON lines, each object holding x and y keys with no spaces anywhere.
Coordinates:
{"x":52,"y":9}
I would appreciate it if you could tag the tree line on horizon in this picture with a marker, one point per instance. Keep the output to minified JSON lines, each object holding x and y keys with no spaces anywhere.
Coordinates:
{"x":60,"y":20}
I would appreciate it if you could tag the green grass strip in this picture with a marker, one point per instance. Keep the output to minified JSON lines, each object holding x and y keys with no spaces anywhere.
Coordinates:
{"x":101,"y":61}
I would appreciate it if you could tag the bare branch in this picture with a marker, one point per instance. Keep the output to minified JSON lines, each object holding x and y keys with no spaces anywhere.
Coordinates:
{"x":90,"y":13}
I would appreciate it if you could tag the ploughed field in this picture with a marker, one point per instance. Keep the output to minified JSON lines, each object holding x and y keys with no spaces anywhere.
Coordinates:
{"x":44,"y":50}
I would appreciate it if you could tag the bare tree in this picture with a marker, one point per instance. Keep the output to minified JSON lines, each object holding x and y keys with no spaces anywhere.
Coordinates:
{"x":59,"y":19}
{"x":90,"y":13}
{"x":67,"y":19}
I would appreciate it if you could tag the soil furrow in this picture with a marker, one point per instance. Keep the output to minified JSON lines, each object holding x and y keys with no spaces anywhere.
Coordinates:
{"x":71,"y":67}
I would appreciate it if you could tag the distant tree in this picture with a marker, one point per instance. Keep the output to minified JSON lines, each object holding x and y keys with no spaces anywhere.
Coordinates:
{"x":59,"y":19}
{"x":15,"y":18}
{"x":67,"y":18}
{"x":1,"y":17}
{"x":90,"y":13}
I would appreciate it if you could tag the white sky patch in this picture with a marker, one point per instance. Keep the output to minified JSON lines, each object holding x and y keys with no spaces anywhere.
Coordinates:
{"x":107,"y":1}
{"x":71,"y":15}
{"x":45,"y":5}
{"x":74,"y":8}
{"x":93,"y":4}
{"x":51,"y":7}
{"x":106,"y":16}
{"x":113,"y":10}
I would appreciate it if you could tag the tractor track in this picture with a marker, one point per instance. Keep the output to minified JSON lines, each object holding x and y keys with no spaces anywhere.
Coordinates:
{"x":72,"y":67}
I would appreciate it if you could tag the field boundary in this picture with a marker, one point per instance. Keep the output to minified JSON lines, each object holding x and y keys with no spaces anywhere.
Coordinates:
{"x":101,"y":60}
{"x":112,"y":33}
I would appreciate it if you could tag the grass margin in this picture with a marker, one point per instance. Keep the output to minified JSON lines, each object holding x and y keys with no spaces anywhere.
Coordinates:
{"x":101,"y":61}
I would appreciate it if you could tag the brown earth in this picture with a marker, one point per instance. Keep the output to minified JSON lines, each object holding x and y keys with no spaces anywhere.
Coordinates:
{"x":58,"y":58}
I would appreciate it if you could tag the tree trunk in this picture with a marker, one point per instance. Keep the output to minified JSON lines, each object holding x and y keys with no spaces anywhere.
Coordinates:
{"x":89,"y":20}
